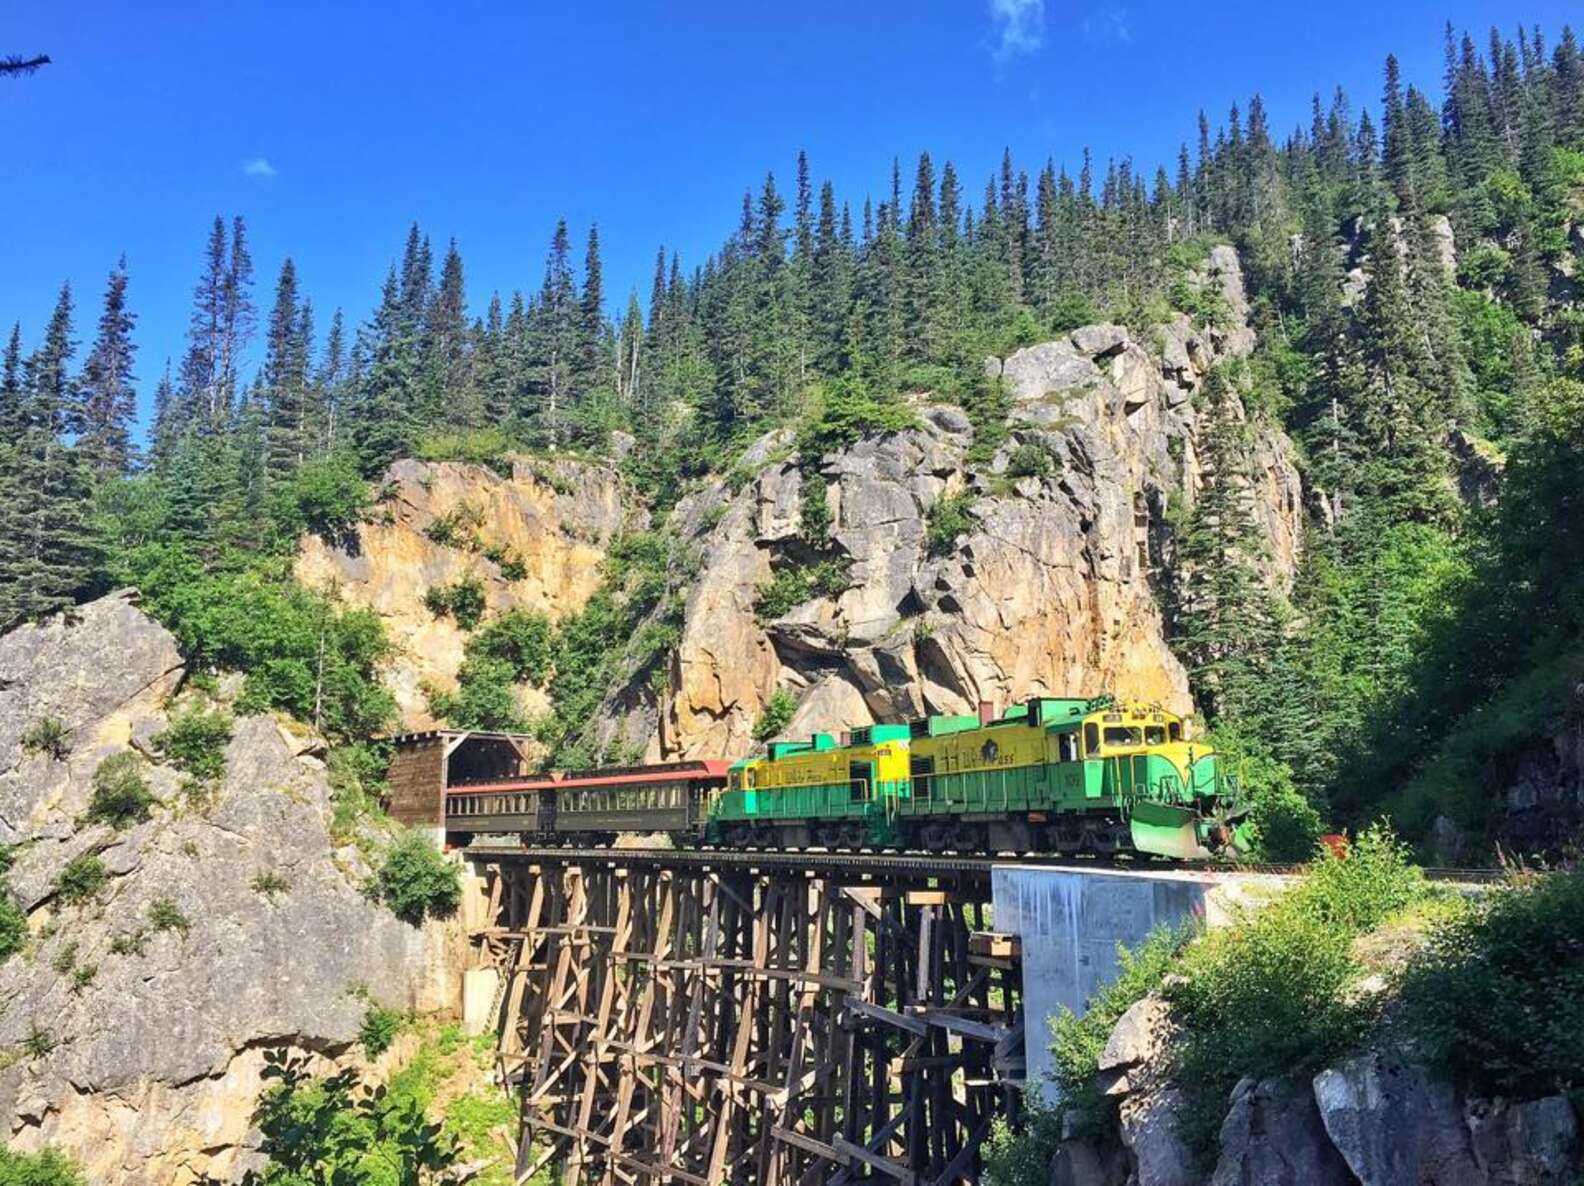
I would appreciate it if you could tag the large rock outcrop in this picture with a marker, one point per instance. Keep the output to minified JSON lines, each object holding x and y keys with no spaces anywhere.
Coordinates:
{"x":534,"y":539}
{"x":1053,"y":587}
{"x":137,"y":1047}
{"x":1375,"y":1119}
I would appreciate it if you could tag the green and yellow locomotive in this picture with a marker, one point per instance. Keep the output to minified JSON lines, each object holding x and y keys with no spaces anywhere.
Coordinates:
{"x":1057,"y":774}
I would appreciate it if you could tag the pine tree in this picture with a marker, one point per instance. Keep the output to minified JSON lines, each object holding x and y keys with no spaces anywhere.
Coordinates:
{"x":53,"y":552}
{"x":109,"y":398}
{"x":384,"y":420}
{"x":594,"y":362}
{"x":1224,"y":614}
{"x":554,"y":340}
{"x":281,"y":408}
{"x":449,"y":394}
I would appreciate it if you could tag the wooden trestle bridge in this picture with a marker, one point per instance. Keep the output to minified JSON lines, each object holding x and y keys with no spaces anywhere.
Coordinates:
{"x":785,"y":1019}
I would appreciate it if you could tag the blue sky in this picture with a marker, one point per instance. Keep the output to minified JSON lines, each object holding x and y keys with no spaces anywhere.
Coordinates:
{"x":331,"y":126}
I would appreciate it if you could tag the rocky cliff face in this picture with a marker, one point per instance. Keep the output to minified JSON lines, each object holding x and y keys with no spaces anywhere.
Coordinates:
{"x":1053,"y":587}
{"x":1372,"y":1120}
{"x":137,"y":1049}
{"x":533,"y":539}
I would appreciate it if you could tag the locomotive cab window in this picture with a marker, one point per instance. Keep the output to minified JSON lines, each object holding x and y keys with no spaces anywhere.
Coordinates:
{"x":1154,"y":735}
{"x":1092,"y":739}
{"x":1174,"y":730}
{"x":1067,"y":747}
{"x":1123,"y":735}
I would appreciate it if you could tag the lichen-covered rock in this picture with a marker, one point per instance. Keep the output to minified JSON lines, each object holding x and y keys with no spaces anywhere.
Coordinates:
{"x":1082,"y":1161}
{"x":1137,"y":1035}
{"x":155,"y":1033}
{"x":1395,"y":1124}
{"x":554,"y":519}
{"x":1273,"y":1136}
{"x":1524,"y":1144}
{"x":1148,"y":1123}
{"x":1051,"y":588}
{"x":102,"y":672}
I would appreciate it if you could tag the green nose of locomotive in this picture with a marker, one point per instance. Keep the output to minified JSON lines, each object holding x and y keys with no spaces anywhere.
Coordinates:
{"x":1191,"y":806}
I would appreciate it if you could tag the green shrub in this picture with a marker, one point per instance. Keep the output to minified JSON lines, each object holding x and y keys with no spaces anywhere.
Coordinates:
{"x":486,"y":698}
{"x":462,"y":599}
{"x":1263,"y":999}
{"x":789,"y":588}
{"x":1071,"y":309}
{"x":356,"y":773}
{"x":326,"y":496}
{"x":523,"y":639}
{"x":948,"y":518}
{"x":1032,"y":459}
{"x":379,"y":1030}
{"x":332,"y":1129}
{"x":165,"y":915}
{"x":1359,"y":891}
{"x":65,"y":960}
{"x":987,"y":404}
{"x":82,"y":976}
{"x":1287,"y":827}
{"x":47,"y":736}
{"x":195,"y":742}
{"x":81,"y":879}
{"x":302,"y":653}
{"x":45,"y":1168}
{"x":844,"y":412}
{"x":133,"y":942}
{"x":1022,"y":1157}
{"x":1498,"y":998}
{"x":457,"y":528}
{"x":777,"y":715}
{"x":120,"y":794}
{"x":270,"y":884}
{"x":510,"y":564}
{"x":416,"y":881}
{"x":13,"y":925}
{"x":815,"y":519}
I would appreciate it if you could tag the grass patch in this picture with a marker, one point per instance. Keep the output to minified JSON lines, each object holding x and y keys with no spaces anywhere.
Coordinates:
{"x":165,"y":915}
{"x":47,"y":736}
{"x":269,"y":884}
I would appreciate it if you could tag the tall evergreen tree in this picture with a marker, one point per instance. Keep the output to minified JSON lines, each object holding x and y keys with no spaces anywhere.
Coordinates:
{"x":109,"y":398}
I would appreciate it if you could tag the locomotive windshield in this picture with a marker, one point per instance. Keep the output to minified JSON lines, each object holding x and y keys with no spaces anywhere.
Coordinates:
{"x":1123,"y":735}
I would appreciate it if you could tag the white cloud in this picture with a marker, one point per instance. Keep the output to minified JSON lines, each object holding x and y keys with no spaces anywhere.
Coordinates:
{"x":258,"y":167}
{"x":1106,"y":25}
{"x":1017,"y":26}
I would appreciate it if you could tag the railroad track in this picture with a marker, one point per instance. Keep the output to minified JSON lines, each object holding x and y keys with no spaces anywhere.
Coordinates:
{"x":892,"y":864}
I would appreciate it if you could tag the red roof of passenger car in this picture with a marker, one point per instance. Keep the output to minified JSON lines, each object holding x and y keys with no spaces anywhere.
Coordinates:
{"x":709,"y":768}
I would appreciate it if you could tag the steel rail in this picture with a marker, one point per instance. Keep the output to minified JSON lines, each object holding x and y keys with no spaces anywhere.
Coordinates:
{"x":827,"y":863}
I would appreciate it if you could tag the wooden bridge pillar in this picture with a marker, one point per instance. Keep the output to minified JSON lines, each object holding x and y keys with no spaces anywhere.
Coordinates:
{"x":712,"y":1025}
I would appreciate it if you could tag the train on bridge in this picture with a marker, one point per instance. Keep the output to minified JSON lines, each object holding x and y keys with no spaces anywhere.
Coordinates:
{"x":1050,"y":774}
